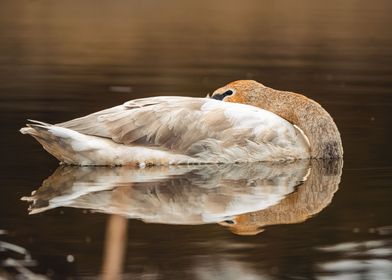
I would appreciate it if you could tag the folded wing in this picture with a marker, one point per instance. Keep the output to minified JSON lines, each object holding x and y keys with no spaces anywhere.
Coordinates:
{"x":196,"y":127}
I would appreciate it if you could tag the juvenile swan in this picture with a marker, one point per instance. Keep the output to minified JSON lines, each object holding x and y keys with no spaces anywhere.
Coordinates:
{"x":269,"y":125}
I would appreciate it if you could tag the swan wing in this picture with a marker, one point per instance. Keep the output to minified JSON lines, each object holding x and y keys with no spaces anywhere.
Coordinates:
{"x":197,"y":127}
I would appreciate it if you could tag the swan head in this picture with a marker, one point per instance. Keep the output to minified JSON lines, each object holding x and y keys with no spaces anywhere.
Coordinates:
{"x":243,"y":225}
{"x":238,"y":91}
{"x":256,"y":94}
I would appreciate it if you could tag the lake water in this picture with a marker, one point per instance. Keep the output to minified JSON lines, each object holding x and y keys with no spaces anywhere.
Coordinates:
{"x":60,"y":60}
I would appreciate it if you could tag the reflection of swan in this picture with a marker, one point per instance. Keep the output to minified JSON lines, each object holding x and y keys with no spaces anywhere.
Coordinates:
{"x":174,"y":195}
{"x":243,"y":197}
{"x":175,"y":130}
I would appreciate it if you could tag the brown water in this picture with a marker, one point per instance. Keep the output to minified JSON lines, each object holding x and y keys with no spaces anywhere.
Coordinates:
{"x":60,"y":60}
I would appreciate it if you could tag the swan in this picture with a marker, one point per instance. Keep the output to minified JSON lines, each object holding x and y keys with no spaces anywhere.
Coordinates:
{"x":254,"y":123}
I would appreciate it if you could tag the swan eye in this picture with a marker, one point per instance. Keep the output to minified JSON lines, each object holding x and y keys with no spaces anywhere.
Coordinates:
{"x":220,"y":96}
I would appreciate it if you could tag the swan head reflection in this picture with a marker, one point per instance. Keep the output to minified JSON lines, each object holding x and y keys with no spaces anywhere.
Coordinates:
{"x":311,"y":197}
{"x":242,"y":197}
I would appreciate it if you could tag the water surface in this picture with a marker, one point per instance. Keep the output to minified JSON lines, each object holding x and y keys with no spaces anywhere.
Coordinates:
{"x":61,"y":60}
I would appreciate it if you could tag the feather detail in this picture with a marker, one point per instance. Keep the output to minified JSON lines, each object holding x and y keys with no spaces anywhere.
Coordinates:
{"x":183,"y":129}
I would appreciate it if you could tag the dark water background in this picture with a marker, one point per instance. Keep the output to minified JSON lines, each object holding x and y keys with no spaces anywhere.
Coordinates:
{"x":63,"y":59}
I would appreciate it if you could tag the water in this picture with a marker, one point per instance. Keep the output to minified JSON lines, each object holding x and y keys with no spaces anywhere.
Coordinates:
{"x":61,"y":60}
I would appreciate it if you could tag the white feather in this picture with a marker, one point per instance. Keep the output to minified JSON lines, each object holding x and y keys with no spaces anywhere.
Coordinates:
{"x":178,"y":130}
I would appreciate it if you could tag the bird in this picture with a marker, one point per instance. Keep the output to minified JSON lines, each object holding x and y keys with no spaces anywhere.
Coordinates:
{"x":243,"y":121}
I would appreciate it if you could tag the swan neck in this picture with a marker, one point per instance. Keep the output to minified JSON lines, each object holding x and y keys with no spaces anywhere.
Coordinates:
{"x":321,"y":130}
{"x":310,"y":117}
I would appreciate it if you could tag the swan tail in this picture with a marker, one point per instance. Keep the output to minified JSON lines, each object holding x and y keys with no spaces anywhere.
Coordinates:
{"x":67,"y":145}
{"x":72,"y":147}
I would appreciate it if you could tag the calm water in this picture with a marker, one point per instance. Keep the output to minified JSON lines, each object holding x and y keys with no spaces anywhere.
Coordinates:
{"x":60,"y":60}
